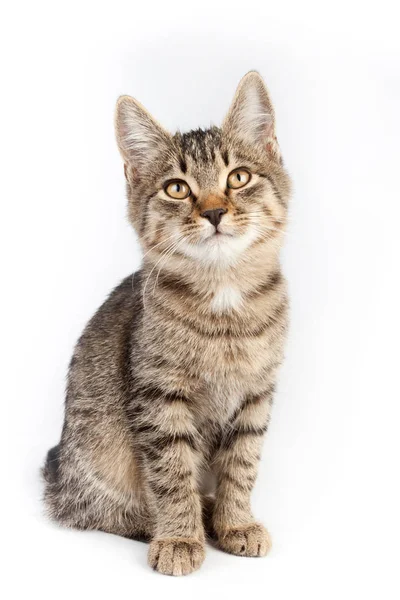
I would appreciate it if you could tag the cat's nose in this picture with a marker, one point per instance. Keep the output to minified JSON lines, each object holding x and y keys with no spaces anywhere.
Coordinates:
{"x":214,"y":215}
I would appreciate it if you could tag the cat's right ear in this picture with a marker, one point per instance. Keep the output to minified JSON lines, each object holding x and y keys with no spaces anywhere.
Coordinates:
{"x":140,"y":138}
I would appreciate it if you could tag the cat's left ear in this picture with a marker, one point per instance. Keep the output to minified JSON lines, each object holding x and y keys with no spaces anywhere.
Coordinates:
{"x":251,"y":116}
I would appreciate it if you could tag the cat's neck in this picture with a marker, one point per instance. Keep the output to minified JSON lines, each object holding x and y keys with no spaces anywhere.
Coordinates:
{"x":243,"y":276}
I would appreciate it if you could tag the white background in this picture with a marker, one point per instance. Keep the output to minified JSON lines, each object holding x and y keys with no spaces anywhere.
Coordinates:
{"x":329,"y":482}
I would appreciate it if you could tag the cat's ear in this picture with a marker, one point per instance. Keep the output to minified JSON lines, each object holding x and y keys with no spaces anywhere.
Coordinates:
{"x":251,"y":116}
{"x":140,"y":138}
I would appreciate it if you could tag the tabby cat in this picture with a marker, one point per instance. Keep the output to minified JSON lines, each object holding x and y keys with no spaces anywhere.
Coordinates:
{"x":171,"y":383}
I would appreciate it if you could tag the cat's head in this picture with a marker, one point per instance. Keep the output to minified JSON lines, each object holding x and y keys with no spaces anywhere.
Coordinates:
{"x":212,"y":195}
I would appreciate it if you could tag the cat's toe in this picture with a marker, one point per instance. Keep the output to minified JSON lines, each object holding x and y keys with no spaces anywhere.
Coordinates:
{"x":246,"y":540}
{"x":175,"y":556}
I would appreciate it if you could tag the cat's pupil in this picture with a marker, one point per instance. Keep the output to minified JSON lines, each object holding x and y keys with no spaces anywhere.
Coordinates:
{"x":178,"y":187}
{"x":238,"y":176}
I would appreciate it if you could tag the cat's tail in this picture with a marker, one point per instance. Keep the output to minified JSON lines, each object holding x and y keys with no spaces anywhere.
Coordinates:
{"x":50,"y":468}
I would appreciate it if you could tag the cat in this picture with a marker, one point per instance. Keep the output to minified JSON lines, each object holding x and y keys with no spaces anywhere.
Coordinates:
{"x":171,"y":384}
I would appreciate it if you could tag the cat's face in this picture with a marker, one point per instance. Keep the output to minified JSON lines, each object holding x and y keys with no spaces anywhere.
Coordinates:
{"x":209,"y":195}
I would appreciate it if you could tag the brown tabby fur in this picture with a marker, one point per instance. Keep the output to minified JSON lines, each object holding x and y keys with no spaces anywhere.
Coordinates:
{"x":172,"y":381}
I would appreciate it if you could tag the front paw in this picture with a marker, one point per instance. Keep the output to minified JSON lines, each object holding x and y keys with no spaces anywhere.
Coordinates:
{"x":176,"y":556}
{"x":245,"y":540}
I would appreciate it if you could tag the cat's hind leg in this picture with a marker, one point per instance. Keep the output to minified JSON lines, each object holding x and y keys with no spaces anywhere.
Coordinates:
{"x":84,"y":495}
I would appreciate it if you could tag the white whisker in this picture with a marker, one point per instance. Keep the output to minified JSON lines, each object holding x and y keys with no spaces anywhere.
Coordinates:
{"x":161,"y":257}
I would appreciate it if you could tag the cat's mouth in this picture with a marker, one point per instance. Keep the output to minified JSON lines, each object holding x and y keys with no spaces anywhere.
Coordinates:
{"x":218,"y":235}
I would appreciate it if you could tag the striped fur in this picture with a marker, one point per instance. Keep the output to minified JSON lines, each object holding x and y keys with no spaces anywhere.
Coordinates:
{"x":171,"y":383}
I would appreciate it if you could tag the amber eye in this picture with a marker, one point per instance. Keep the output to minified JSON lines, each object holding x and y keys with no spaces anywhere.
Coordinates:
{"x":238,"y":178}
{"x":177,"y":189}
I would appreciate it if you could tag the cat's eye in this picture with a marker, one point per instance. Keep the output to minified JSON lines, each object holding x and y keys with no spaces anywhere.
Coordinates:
{"x":238,"y":178}
{"x":178,"y":189}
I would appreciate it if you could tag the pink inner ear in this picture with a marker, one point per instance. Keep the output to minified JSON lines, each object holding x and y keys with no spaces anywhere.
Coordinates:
{"x":131,"y":173}
{"x":273,"y":148}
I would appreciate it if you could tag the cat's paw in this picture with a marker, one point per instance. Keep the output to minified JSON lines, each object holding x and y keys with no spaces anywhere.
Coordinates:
{"x":246,"y":540}
{"x":176,"y":556}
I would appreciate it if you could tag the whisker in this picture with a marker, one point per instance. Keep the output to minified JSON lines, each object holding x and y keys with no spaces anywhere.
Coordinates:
{"x":255,"y":215}
{"x":186,"y":238}
{"x":260,"y":226}
{"x":174,"y":235}
{"x":160,"y":227}
{"x":159,"y":244}
{"x":261,"y":212}
{"x":165,"y":256}
{"x":161,"y":257}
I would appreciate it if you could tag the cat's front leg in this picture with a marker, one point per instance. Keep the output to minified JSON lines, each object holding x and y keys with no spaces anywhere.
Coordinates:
{"x":170,"y":453}
{"x":237,"y":465}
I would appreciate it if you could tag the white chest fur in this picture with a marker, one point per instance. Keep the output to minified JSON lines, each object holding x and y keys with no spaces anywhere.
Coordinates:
{"x":226,"y":299}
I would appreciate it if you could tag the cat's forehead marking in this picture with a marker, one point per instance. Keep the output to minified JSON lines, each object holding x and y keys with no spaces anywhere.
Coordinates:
{"x":201,"y":144}
{"x":201,"y":155}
